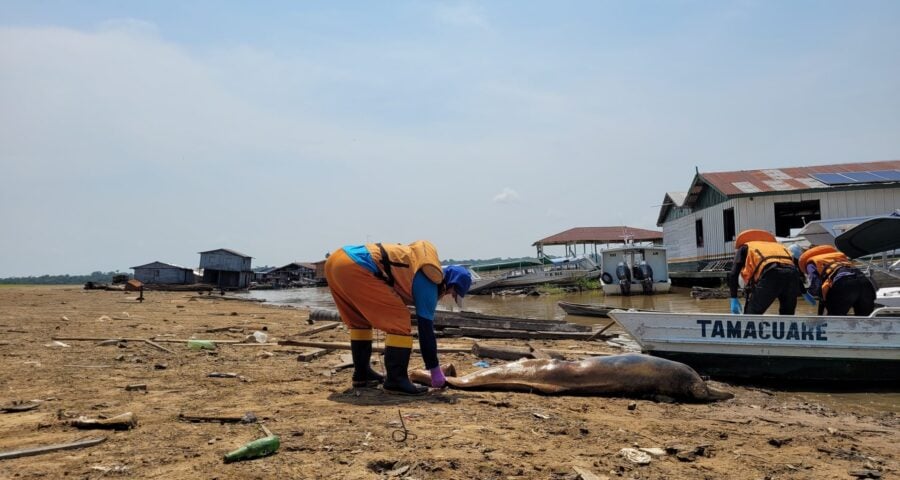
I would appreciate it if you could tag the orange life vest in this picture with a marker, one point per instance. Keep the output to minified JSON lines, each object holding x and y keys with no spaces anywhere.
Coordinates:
{"x":398,"y":264}
{"x":760,"y":255}
{"x":827,"y":265}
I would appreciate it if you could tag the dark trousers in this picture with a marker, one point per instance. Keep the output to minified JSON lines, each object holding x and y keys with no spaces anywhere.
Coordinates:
{"x":779,"y":282}
{"x":855,"y":292}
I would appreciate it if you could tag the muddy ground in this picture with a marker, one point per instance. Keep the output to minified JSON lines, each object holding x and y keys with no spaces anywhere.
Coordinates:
{"x":331,"y":431}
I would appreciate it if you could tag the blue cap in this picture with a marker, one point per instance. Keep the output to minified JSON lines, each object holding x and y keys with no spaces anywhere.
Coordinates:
{"x":459,"y":278}
{"x":796,"y":251}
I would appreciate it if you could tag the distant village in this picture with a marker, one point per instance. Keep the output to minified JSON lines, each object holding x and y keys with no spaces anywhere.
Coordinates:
{"x":698,"y":225}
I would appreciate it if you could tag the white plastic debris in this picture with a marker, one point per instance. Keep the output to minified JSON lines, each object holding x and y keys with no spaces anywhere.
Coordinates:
{"x":260,"y":337}
{"x":634,"y":455}
{"x":57,"y":343}
{"x":655,"y":451}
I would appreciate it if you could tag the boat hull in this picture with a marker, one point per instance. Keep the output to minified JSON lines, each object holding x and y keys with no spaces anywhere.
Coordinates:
{"x":772,"y":346}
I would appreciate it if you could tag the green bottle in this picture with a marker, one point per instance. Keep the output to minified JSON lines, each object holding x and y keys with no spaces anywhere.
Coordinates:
{"x":257,"y":448}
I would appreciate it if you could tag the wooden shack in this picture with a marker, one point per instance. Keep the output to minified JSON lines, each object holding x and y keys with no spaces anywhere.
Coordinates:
{"x":226,"y":268}
{"x":160,"y":273}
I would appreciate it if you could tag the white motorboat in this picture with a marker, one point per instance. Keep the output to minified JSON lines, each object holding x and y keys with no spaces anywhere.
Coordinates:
{"x":559,"y":272}
{"x":760,"y":347}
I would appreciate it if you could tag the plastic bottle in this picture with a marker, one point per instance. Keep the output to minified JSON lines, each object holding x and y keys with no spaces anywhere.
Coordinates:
{"x":201,"y":345}
{"x":255,"y":449}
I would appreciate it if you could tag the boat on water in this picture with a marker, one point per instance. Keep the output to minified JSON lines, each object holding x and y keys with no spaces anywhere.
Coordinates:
{"x":774,"y":347}
{"x":876,"y":236}
{"x":634,"y":269}
{"x":586,"y":309}
{"x":559,"y":272}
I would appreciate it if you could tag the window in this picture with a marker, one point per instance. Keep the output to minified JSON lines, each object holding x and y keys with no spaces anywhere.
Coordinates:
{"x":728,"y":223}
{"x":698,"y":230}
{"x":794,"y":215}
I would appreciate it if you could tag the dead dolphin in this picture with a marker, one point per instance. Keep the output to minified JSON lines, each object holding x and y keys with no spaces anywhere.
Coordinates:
{"x":626,"y":375}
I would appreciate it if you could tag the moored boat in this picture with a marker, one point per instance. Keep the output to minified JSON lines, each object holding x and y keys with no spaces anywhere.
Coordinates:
{"x":560,"y":272}
{"x":770,"y":347}
{"x":585,"y":309}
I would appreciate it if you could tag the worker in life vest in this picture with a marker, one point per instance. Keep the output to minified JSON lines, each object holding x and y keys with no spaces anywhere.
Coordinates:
{"x":836,"y":280}
{"x":766,"y":269}
{"x":372,"y":285}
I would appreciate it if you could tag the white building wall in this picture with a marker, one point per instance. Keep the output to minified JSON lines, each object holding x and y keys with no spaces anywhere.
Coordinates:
{"x":759,"y":212}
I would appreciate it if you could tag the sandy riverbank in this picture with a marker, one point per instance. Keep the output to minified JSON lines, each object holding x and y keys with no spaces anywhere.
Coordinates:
{"x":330,"y":431}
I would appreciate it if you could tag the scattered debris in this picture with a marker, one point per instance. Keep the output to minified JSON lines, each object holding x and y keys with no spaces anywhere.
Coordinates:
{"x":248,"y":417}
{"x":634,"y":455}
{"x":779,"y":441}
{"x":585,"y":474}
{"x":20,"y":406}
{"x":865,"y":473}
{"x":57,"y":343}
{"x":136,"y":387}
{"x":90,"y":442}
{"x":125,"y":421}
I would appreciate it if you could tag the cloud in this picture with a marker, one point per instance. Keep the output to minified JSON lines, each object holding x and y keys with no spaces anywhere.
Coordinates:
{"x":462,"y":15}
{"x":508,"y":195}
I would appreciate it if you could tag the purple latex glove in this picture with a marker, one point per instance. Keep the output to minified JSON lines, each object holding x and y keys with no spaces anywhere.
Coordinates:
{"x":437,"y":377}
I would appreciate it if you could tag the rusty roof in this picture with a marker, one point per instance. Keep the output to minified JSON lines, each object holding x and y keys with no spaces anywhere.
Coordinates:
{"x":793,"y":179}
{"x":601,"y":235}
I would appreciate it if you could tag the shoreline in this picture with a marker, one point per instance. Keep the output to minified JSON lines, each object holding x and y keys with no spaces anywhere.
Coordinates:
{"x":329,"y":430}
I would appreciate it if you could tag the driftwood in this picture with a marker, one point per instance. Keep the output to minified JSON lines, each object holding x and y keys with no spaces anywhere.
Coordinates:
{"x":508,"y":353}
{"x":322,"y":328}
{"x":312,"y":354}
{"x":28,"y":452}
{"x":248,"y":417}
{"x":19,"y":406}
{"x":443,"y":319}
{"x":502,"y":333}
{"x":346,"y":346}
{"x":125,"y":421}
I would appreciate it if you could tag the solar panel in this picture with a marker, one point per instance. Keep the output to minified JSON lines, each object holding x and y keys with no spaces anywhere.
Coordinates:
{"x":863,"y":177}
{"x":893,"y":175}
{"x":832,"y":178}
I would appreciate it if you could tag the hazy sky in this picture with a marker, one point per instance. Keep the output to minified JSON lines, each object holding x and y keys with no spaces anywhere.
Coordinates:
{"x":139,"y":131}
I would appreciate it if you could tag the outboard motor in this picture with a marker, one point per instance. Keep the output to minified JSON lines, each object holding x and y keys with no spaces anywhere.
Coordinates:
{"x":646,"y":278}
{"x":623,"y":274}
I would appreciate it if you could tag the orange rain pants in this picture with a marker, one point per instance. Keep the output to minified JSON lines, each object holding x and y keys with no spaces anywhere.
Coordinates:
{"x":363,"y":300}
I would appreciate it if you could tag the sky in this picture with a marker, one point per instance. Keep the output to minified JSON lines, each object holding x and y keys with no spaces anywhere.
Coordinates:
{"x":141,"y":131}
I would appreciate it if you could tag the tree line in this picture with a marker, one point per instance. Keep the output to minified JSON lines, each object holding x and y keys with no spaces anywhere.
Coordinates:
{"x":96,"y":277}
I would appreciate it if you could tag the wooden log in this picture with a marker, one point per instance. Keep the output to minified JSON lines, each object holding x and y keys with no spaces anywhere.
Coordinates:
{"x":346,"y":346}
{"x":507,"y":353}
{"x":503,"y":352}
{"x":125,"y":421}
{"x":245,"y":418}
{"x":322,"y":328}
{"x":473,"y":320}
{"x":537,"y":353}
{"x":312,"y":354}
{"x":531,"y":335}
{"x":28,"y":452}
{"x":124,"y":339}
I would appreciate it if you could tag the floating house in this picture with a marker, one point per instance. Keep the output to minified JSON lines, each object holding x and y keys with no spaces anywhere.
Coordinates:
{"x":291,"y":274}
{"x":699,"y":225}
{"x":226,"y":268}
{"x":163,"y":274}
{"x":593,"y":239}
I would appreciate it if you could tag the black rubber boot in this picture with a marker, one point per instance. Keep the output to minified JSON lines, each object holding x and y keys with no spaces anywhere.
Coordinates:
{"x":363,"y":375}
{"x":396,"y":363}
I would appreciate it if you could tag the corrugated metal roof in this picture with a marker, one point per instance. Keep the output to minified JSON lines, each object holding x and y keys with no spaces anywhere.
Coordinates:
{"x":601,"y":235}
{"x":744,"y":182}
{"x":158,"y":264}
{"x":233,"y":252}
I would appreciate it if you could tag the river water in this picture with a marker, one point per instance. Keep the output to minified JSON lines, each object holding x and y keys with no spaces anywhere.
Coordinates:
{"x":545,"y":307}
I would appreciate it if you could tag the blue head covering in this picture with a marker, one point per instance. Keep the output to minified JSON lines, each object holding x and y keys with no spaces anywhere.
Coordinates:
{"x":796,"y":251}
{"x":459,"y":278}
